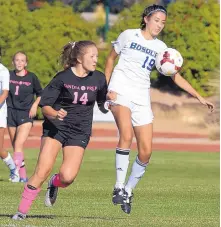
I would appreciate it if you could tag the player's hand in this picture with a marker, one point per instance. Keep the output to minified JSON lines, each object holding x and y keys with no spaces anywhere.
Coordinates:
{"x":61,"y":114}
{"x":209,"y":105}
{"x":33,"y":111}
{"x":111,"y":95}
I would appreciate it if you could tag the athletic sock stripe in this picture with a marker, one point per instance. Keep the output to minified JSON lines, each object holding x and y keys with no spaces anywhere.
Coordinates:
{"x":121,"y":149}
{"x":140,"y":163}
{"x":126,"y":152}
{"x":122,"y":152}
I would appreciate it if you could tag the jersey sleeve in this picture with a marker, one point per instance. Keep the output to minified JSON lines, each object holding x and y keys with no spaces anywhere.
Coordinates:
{"x":5,"y":81}
{"x":51,"y":92}
{"x":101,"y":95}
{"x":37,"y":86}
{"x":121,"y":41}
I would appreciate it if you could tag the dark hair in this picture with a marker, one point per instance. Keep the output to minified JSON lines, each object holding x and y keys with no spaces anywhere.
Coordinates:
{"x":149,"y":12}
{"x":20,"y":52}
{"x":72,"y":51}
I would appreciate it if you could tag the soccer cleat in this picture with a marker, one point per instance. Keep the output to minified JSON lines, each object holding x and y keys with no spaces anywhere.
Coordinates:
{"x":19,"y":216}
{"x":126,"y":206}
{"x":118,"y":196}
{"x":51,"y":194}
{"x":14,"y":176}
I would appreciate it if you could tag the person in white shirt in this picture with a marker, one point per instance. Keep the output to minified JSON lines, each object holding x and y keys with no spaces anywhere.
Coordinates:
{"x":5,"y":156}
{"x":130,"y":82}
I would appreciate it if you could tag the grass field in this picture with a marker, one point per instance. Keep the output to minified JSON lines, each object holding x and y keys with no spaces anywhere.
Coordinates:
{"x":179,"y":189}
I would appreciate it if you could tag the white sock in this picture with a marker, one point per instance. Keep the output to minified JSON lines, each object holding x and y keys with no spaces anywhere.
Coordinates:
{"x":138,"y":170}
{"x":122,"y":162}
{"x":9,"y":162}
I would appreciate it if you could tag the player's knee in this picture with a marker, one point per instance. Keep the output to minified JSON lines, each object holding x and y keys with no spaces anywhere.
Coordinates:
{"x":126,"y":137}
{"x":67,"y":179}
{"x":145,"y":153}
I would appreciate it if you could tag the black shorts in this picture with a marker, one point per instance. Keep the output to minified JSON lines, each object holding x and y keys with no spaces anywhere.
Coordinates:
{"x":17,"y":117}
{"x":65,"y":137}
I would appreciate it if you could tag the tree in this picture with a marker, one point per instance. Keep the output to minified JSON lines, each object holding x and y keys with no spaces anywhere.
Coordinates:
{"x":193,"y":29}
{"x":42,"y":34}
{"x":12,"y":13}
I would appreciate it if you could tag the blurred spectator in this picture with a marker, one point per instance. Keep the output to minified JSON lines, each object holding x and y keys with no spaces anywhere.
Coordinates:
{"x":100,"y":16}
{"x":99,"y":13}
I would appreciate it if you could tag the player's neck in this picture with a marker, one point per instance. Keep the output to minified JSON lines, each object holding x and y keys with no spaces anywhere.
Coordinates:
{"x":146,"y":34}
{"x":23,"y":72}
{"x":79,"y":71}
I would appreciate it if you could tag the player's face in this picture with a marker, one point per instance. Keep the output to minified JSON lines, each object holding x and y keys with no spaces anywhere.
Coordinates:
{"x":89,"y":59}
{"x":155,"y":23}
{"x":19,"y":62}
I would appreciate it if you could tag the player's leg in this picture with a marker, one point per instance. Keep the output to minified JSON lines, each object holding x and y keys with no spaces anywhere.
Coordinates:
{"x":12,"y":135}
{"x":15,"y":118}
{"x":47,"y":156}
{"x":22,"y":133}
{"x":12,"y":125}
{"x":72,"y":158}
{"x":122,"y":116}
{"x":5,"y":156}
{"x":142,"y":118}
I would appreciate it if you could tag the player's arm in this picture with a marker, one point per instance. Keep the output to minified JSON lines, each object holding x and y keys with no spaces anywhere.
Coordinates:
{"x":38,"y":91}
{"x":118,"y":45}
{"x":49,"y":97}
{"x":51,"y":113}
{"x":3,"y":96}
{"x":182,"y":83}
{"x":101,"y":96}
{"x":34,"y":108}
{"x":110,"y":64}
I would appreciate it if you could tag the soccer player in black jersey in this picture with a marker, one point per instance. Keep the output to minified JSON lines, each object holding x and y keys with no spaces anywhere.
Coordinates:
{"x":22,"y":107}
{"x":67,"y":102}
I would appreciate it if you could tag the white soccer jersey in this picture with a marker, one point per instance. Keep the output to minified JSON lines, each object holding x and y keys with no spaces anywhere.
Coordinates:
{"x":131,"y":76}
{"x":4,"y":85}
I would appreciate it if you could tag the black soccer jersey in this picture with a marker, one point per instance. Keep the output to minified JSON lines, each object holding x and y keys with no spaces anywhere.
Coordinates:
{"x":22,"y":90}
{"x":76,"y":95}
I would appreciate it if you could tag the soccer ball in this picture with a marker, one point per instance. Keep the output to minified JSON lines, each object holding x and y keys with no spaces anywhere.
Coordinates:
{"x":169,"y":62}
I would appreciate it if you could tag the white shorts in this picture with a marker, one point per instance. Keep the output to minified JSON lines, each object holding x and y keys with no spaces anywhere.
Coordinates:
{"x":3,"y":120}
{"x":140,"y":115}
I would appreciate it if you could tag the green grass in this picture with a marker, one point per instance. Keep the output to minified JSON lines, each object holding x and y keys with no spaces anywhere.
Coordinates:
{"x":179,"y":189}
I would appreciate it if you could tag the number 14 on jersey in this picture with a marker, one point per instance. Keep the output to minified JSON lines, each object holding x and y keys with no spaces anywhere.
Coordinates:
{"x":83,"y":98}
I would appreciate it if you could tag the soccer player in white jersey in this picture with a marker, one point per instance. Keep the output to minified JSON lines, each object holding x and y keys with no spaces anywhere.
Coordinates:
{"x":5,"y":156}
{"x":130,"y":81}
